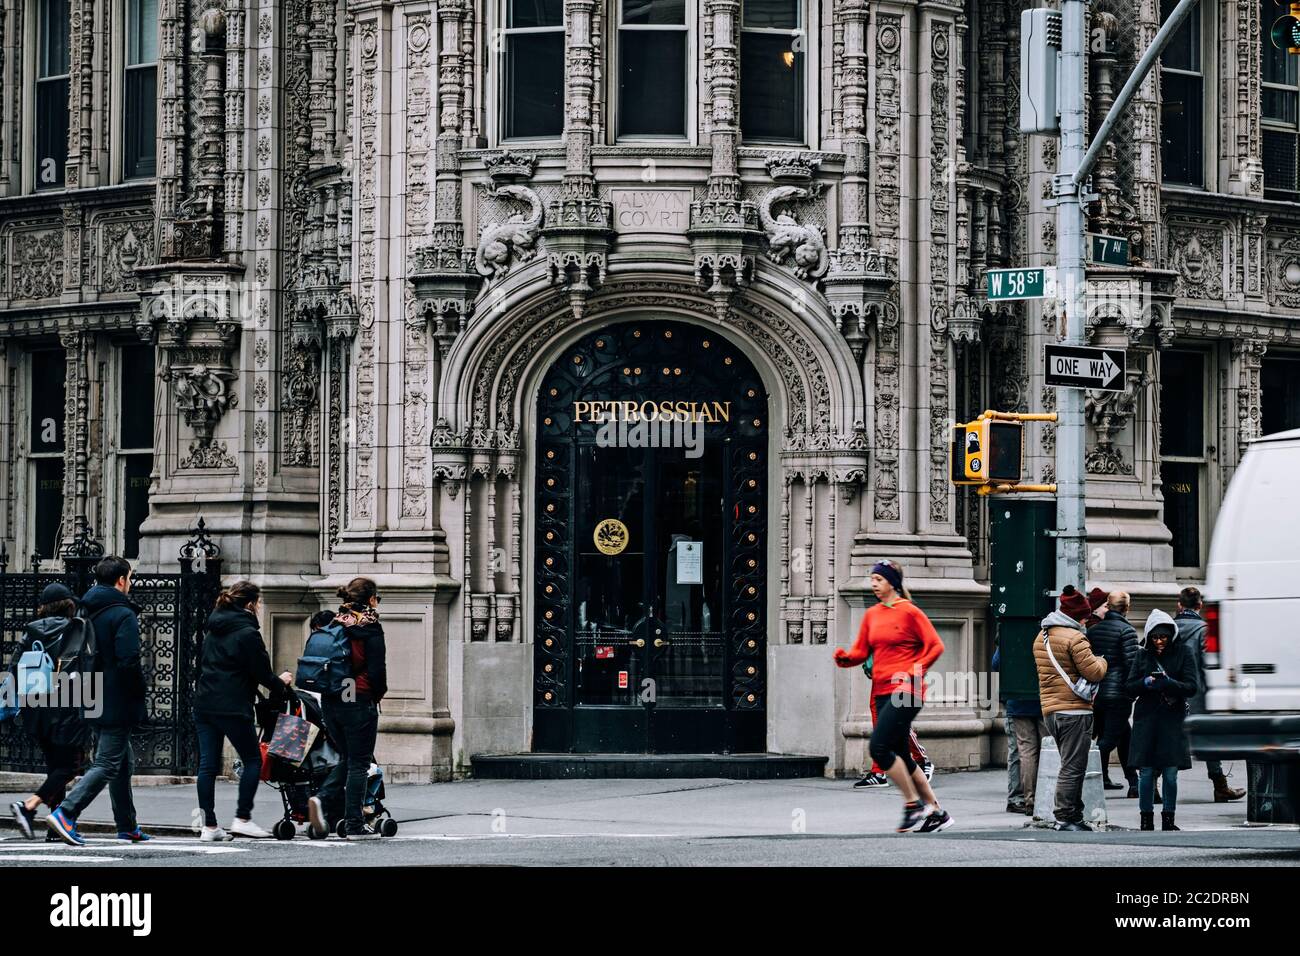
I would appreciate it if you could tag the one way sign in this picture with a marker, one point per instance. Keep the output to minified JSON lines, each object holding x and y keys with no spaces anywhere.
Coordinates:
{"x":1072,"y":366}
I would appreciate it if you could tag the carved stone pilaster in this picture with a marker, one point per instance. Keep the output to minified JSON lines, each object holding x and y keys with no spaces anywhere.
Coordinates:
{"x":724,"y":228}
{"x":199,"y":219}
{"x":76,"y":417}
{"x":1248,"y":355}
{"x":579,"y":225}
{"x":1112,"y":213}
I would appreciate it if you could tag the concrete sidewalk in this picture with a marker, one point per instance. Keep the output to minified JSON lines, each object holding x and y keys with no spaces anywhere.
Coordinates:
{"x":688,"y":808}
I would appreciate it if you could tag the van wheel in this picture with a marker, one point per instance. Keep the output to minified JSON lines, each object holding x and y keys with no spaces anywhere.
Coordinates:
{"x":284,"y":830}
{"x":388,"y":828}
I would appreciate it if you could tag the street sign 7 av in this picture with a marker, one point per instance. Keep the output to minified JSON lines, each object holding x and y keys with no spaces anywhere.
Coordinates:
{"x":1004,"y":284}
{"x":1108,"y":250}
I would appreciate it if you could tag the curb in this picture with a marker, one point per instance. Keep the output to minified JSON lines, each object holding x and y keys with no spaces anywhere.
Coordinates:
{"x":98,"y":827}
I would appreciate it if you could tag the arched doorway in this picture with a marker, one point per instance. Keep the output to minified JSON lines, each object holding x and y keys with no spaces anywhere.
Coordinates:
{"x":650,"y":632}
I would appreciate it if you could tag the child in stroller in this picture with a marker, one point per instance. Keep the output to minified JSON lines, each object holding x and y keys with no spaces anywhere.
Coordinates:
{"x":297,"y":784}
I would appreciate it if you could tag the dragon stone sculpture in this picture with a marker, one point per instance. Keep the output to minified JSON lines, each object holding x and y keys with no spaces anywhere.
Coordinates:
{"x":515,"y":239}
{"x":787,"y":238}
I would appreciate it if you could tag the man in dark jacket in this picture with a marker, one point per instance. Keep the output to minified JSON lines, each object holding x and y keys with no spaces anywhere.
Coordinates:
{"x":121,"y":705}
{"x":1191,"y":631}
{"x":1116,"y":640}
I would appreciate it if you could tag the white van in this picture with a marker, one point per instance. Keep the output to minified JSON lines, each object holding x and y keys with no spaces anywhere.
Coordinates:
{"x":1252,"y":612}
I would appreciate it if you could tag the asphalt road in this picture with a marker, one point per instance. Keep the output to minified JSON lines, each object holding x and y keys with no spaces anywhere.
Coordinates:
{"x":815,"y":822}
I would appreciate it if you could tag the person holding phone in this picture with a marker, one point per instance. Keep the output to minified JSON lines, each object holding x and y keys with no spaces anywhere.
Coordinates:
{"x":1162,"y":678}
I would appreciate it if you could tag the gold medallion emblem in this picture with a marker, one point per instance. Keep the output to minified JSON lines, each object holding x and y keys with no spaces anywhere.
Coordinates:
{"x":610,"y":536}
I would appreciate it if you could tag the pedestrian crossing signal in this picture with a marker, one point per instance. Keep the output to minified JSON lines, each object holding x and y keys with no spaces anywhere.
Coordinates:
{"x":986,"y":451}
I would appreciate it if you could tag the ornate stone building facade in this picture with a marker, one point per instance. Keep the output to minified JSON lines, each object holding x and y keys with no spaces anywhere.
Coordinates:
{"x":323,"y":320}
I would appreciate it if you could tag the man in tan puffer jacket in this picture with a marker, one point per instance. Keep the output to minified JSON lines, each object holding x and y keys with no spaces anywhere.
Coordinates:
{"x":1067,"y":715}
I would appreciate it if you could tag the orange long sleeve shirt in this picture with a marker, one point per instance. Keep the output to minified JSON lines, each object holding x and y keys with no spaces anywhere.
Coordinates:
{"x":902,"y":644}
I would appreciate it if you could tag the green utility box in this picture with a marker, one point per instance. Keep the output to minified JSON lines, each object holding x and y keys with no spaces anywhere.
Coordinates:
{"x":1022,"y":570}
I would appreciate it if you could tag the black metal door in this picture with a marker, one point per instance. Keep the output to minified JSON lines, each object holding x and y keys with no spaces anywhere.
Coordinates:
{"x":651,"y":518}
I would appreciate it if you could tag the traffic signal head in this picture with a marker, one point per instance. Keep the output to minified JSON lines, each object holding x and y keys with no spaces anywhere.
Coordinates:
{"x":986,"y":451}
{"x":1285,"y":33}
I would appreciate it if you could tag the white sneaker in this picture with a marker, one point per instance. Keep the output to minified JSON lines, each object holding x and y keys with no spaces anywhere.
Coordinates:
{"x":247,"y":828}
{"x":213,"y":835}
{"x":316,"y":817}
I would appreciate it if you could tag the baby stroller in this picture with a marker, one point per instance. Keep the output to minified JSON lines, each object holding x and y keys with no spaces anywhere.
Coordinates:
{"x":295,"y":784}
{"x":298,"y":784}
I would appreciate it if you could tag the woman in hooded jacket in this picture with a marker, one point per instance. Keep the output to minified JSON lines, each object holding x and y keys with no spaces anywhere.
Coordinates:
{"x":233,"y":665}
{"x":1162,"y":677}
{"x":58,"y":730}
{"x":352,"y":717}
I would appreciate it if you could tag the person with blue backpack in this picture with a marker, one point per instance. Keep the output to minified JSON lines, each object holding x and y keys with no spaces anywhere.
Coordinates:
{"x":233,"y":664}
{"x":119,"y":709}
{"x":52,"y":647}
{"x":345,"y":662}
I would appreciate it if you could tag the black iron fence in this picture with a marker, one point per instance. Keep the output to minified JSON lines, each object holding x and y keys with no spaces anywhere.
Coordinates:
{"x":173,"y":613}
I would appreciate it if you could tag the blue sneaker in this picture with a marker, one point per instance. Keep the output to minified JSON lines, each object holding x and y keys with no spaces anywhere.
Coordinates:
{"x":64,"y":827}
{"x":134,"y":836}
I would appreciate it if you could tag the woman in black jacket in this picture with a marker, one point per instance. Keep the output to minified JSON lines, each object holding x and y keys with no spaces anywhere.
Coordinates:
{"x":1114,"y":638}
{"x":1163,"y":677}
{"x":352,"y":717}
{"x":234,"y":664}
{"x":58,"y":730}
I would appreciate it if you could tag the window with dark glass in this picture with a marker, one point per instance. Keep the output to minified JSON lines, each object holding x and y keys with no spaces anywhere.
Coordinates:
{"x":1182,"y":103}
{"x":135,"y":441}
{"x":52,"y":72}
{"x":1280,"y":117}
{"x":140,"y":90}
{"x":533,"y":72}
{"x":1279,"y":380}
{"x":1183,"y":462}
{"x":772,"y":46}
{"x":652,"y":38}
{"x":45,"y":439}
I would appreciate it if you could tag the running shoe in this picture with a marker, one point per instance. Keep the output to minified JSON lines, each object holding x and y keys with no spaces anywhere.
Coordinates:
{"x":1077,"y":827}
{"x":23,"y":817}
{"x":913,"y":813}
{"x":927,"y":768}
{"x":64,"y":827}
{"x":365,"y":833}
{"x":1016,"y":806}
{"x":134,"y":836}
{"x":872,"y":780}
{"x":247,"y":828}
{"x":935,"y":821}
{"x":214,"y":835}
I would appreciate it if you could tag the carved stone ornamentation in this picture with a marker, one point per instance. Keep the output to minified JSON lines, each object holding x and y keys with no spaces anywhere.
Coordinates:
{"x":514,"y":241}
{"x":202,"y":395}
{"x":804,"y":245}
{"x":36,"y":269}
{"x":1197,"y":256}
{"x":1109,"y":413}
{"x":1284,"y":272}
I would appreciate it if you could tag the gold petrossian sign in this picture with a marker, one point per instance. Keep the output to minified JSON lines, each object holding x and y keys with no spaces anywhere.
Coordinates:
{"x":651,"y":411}
{"x":610,"y":536}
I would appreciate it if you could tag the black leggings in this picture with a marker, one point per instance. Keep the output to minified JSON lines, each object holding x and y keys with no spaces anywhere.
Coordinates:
{"x":890,"y":733}
{"x":62,"y":763}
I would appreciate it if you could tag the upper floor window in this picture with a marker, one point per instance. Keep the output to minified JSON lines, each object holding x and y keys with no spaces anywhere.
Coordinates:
{"x":52,"y":74}
{"x":772,"y":45}
{"x":652,"y":67}
{"x":1279,"y":114}
{"x":533,"y":70}
{"x":1182,"y":102}
{"x":140,"y":90}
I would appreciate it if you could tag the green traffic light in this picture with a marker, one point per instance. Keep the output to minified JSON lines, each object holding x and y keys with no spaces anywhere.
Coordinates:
{"x":1286,"y":33}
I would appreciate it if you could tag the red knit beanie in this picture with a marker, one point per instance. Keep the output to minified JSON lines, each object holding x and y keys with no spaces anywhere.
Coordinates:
{"x":1074,"y":604}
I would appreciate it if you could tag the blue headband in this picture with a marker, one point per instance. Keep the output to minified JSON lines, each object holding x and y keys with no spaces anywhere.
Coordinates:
{"x":890,"y":574}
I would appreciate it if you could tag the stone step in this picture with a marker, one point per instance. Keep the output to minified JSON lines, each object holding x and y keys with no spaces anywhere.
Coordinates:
{"x":646,"y":766}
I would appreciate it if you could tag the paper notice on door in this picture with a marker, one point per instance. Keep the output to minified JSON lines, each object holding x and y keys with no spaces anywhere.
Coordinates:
{"x":690,"y":562}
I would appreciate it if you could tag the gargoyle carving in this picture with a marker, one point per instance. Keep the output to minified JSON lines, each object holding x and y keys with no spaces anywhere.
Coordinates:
{"x":786,"y":237}
{"x":516,"y":238}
